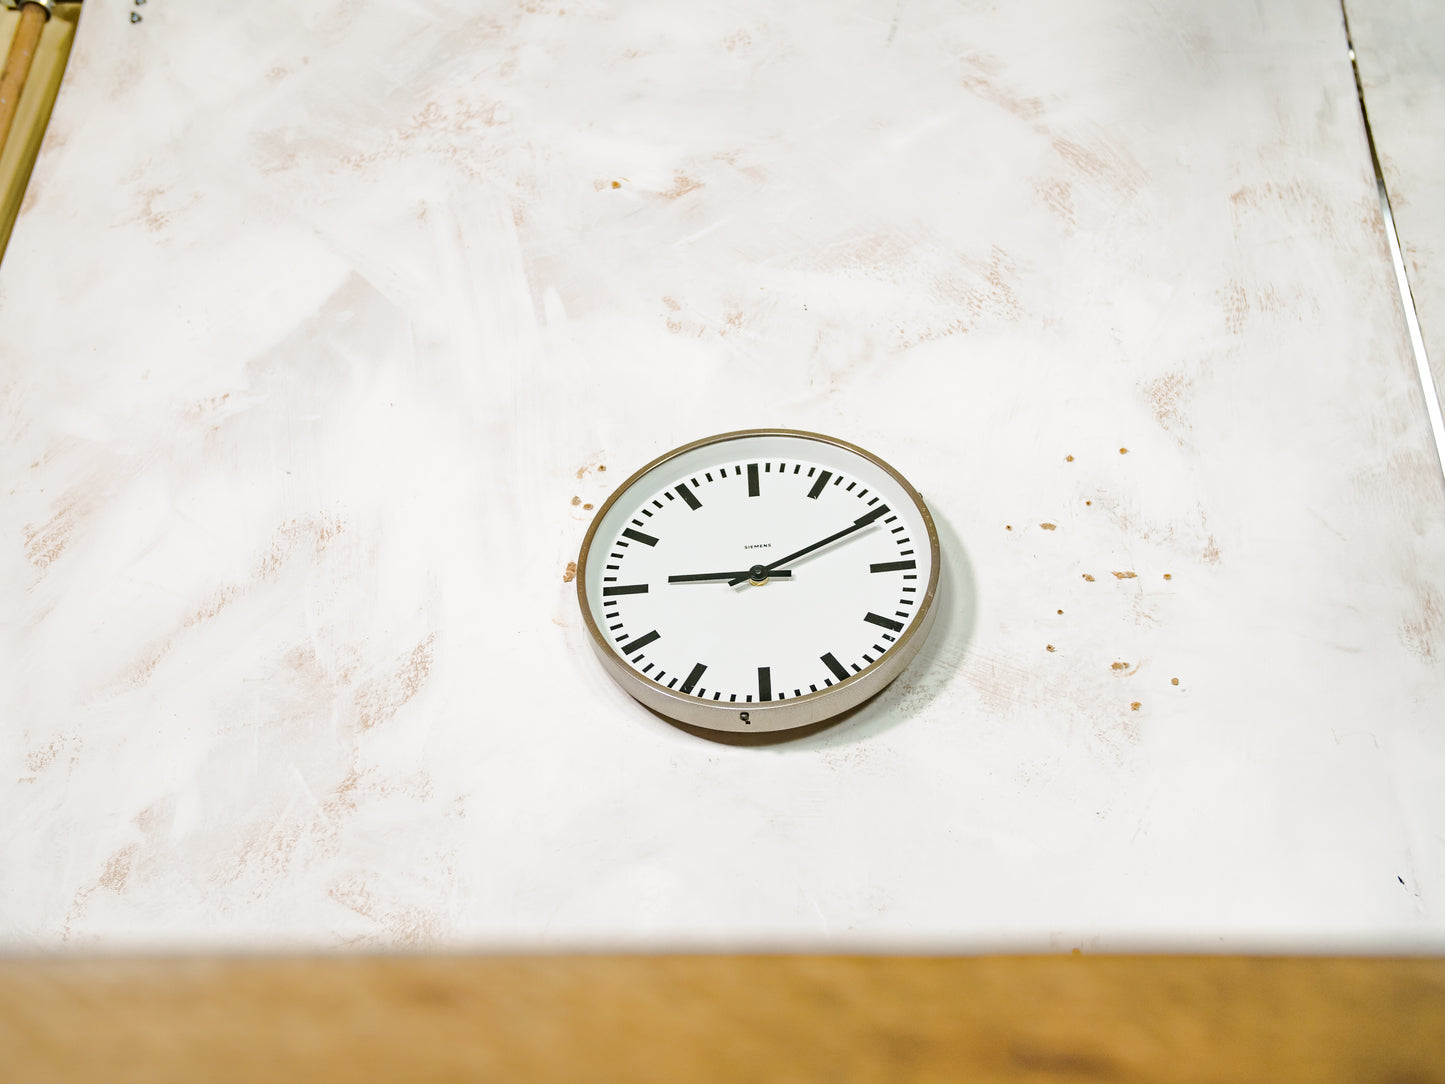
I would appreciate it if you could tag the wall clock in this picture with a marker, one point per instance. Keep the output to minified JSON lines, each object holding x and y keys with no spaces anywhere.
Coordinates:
{"x":759,"y":580}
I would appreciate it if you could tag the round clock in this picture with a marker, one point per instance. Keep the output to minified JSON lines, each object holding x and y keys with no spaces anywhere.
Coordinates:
{"x":759,"y":580}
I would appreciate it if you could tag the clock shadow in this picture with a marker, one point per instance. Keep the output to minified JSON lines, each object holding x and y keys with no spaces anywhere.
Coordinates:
{"x":909,"y":694}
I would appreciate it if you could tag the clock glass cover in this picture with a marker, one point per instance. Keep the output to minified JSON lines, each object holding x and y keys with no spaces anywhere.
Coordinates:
{"x":759,"y":580}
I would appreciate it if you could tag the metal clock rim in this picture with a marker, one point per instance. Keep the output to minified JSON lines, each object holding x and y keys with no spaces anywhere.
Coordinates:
{"x":768,"y":715}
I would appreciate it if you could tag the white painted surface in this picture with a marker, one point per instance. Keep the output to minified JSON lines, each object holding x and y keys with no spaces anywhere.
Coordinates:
{"x":1400,"y":50}
{"x":319,"y":319}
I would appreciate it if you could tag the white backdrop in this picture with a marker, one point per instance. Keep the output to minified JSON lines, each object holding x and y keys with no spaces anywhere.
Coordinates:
{"x":322,"y":322}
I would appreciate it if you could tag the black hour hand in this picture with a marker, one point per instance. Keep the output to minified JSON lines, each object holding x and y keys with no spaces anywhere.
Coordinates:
{"x":699,"y":577}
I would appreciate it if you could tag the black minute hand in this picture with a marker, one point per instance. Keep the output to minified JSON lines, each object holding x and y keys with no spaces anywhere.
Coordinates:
{"x":858,"y":525}
{"x":698,"y":577}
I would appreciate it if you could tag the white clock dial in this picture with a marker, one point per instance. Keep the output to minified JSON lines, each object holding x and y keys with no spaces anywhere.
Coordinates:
{"x":759,"y":580}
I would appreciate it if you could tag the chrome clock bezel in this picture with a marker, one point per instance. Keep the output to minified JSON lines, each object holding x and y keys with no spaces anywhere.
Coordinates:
{"x":772,"y":715}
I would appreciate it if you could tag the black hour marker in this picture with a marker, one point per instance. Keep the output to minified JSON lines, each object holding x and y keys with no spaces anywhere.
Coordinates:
{"x":753,"y":490}
{"x":638,"y":536}
{"x":692,"y":678}
{"x":686,"y":494}
{"x":892,"y":566}
{"x":835,"y":666}
{"x":868,"y":517}
{"x":626,"y":589}
{"x":886,"y":622}
{"x":634,"y":646}
{"x":765,"y":683}
{"x":819,"y":484}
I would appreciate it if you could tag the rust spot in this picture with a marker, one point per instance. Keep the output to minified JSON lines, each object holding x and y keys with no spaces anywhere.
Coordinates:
{"x":1118,"y":666}
{"x":1088,"y":577}
{"x":1086,"y":503}
{"x":1125,"y":575}
{"x":1173,"y":681}
{"x":378,"y":701}
{"x":1008,"y":527}
{"x":616,"y":184}
{"x":1134,"y":706}
{"x":117,"y":869}
{"x":569,"y":572}
{"x":1049,"y":526}
{"x":576,"y":501}
{"x":1058,"y":196}
{"x":682,"y":184}
{"x":1068,"y":459}
{"x":1167,"y":396}
{"x":45,"y":543}
{"x":1061,"y":611}
{"x":1167,"y":576}
{"x":1048,"y":647}
{"x":1123,"y":451}
{"x":1211,"y":551}
{"x":587,"y":508}
{"x":601,"y":466}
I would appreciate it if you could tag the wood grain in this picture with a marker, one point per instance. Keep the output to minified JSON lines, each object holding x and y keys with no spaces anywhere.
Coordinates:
{"x":670,"y":1018}
{"x":37,"y":54}
{"x":17,"y":64}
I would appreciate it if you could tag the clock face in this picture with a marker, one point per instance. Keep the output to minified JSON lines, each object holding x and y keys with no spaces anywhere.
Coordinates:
{"x":760,"y":580}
